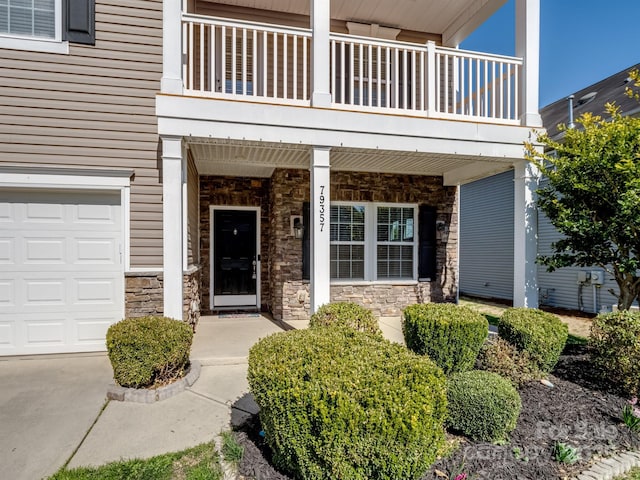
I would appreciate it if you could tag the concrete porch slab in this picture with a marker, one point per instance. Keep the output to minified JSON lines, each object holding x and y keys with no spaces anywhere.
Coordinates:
{"x":225,"y":340}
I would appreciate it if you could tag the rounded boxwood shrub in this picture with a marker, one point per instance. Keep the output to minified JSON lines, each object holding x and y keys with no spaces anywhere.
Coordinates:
{"x":148,"y":351}
{"x":449,"y":334}
{"x":541,"y":334}
{"x":337,"y":403}
{"x":346,"y":314}
{"x":499,"y":356}
{"x":615,"y":349}
{"x":482,"y":405}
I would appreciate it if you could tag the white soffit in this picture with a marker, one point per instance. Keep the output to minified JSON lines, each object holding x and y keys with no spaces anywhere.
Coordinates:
{"x":253,"y":159}
{"x":433,"y":16}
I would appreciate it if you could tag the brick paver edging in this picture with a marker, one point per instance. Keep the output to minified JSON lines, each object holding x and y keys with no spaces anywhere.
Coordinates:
{"x":143,"y":395}
{"x":610,"y":468}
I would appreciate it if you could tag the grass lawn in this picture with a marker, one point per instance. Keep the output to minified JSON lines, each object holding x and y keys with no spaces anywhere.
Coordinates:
{"x":198,"y":463}
{"x":632,"y":475}
{"x":492,"y":314}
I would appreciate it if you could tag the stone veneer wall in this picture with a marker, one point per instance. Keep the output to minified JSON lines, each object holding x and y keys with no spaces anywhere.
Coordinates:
{"x":237,"y":192}
{"x":191,"y":295}
{"x":144,"y":295}
{"x":290,"y":188}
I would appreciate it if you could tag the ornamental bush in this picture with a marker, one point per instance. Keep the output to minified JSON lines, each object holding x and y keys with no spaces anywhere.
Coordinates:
{"x":615,"y":349}
{"x":148,"y":351}
{"x":449,"y":334}
{"x":336,"y":403}
{"x":482,"y":405}
{"x":346,"y":314}
{"x":499,"y":356}
{"x":541,"y":334}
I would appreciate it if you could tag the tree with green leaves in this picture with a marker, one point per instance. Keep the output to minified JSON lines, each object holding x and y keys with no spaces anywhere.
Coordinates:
{"x":593,"y":197}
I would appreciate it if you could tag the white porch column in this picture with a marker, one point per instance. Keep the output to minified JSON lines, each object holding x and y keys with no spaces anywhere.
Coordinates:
{"x":171,"y":47}
{"x":320,"y":214}
{"x":528,"y":47}
{"x":525,"y":246}
{"x":172,"y":184}
{"x":320,"y":58}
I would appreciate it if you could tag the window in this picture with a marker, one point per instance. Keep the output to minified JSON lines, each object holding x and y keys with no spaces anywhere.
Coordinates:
{"x":37,"y":25}
{"x":28,"y":18}
{"x":395,"y":242}
{"x":347,"y":242}
{"x":373,"y":242}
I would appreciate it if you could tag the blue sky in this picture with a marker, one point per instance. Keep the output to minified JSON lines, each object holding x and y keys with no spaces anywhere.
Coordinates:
{"x":581,"y":41}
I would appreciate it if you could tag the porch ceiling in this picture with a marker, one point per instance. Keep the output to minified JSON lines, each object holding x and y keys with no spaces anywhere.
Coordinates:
{"x":259,"y":159}
{"x":434,"y":16}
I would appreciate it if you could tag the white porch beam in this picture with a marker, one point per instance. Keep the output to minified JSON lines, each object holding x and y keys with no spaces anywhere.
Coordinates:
{"x":320,"y":58}
{"x":171,"y":47}
{"x":528,"y":48}
{"x":320,"y":248}
{"x":525,"y":246}
{"x":172,"y":224}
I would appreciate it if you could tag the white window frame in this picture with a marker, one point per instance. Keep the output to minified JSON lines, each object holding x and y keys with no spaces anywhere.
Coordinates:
{"x":367,"y":254}
{"x":35,"y":44}
{"x":371,"y":244}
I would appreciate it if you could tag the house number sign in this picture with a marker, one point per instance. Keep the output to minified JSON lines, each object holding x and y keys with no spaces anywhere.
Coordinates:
{"x":321,"y":207}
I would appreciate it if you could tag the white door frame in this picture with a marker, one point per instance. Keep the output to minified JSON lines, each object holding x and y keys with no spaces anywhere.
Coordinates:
{"x":212,"y":209}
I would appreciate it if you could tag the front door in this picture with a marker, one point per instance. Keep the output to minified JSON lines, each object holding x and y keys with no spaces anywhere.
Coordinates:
{"x":235,"y":267}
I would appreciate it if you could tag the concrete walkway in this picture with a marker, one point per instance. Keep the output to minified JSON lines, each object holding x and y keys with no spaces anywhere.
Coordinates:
{"x":48,"y":404}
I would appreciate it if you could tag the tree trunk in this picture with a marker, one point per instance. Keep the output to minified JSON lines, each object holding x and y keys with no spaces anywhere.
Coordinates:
{"x":629,"y":286}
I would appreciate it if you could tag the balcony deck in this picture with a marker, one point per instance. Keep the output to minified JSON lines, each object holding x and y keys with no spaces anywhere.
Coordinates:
{"x":249,"y":61}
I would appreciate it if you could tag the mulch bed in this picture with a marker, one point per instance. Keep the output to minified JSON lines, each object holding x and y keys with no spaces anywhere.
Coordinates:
{"x":579,"y":410}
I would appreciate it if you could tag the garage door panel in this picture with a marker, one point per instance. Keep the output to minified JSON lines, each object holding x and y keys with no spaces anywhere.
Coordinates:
{"x":7,"y":334}
{"x":92,"y":330}
{"x":44,"y":291}
{"x":44,"y":213}
{"x":44,"y":250}
{"x":61,"y":275}
{"x":95,"y":214}
{"x":7,"y":249}
{"x":102,"y":251}
{"x":7,"y":293}
{"x":6,"y":212}
{"x":51,"y":332}
{"x":96,"y":291}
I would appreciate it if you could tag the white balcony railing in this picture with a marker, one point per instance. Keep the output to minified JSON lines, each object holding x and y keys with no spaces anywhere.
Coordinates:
{"x":260,"y":62}
{"x":235,"y":58}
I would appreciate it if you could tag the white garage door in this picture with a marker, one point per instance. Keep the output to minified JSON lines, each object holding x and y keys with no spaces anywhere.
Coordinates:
{"x":61,"y":275}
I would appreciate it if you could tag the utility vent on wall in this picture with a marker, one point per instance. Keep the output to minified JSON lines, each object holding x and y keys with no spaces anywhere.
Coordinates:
{"x":372,"y":30}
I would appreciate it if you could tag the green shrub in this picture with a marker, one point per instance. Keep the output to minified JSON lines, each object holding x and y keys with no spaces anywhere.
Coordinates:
{"x":346,"y":314}
{"x":148,"y":351}
{"x":541,"y":334}
{"x":482,"y":405}
{"x":615,"y":349}
{"x":499,"y":356}
{"x":449,"y":334}
{"x":340,"y":404}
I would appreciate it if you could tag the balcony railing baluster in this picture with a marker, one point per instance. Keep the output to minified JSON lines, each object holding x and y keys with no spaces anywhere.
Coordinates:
{"x":263,"y":62}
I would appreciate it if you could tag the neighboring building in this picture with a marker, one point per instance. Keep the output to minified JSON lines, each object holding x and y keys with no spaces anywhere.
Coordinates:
{"x":486,"y":218}
{"x":195,"y":156}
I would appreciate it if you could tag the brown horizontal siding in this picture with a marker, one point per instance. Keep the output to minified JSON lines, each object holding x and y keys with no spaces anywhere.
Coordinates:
{"x":94,"y":108}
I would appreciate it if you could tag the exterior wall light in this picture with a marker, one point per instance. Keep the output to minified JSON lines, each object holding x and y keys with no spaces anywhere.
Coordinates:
{"x":297,"y":227}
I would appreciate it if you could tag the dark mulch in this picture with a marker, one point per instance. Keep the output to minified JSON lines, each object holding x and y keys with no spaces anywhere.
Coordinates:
{"x":580,"y":410}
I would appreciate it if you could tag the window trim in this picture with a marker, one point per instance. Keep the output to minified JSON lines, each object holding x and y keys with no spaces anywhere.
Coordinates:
{"x":37,"y":44}
{"x":371,"y":244}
